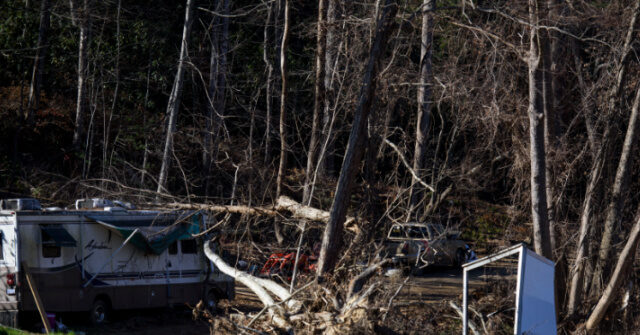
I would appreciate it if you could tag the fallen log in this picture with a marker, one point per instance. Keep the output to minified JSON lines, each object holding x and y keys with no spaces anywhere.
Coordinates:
{"x":356,"y":284}
{"x":284,"y":204}
{"x":281,"y":292}
{"x":301,"y":211}
{"x":458,"y":310}
{"x":233,"y":209}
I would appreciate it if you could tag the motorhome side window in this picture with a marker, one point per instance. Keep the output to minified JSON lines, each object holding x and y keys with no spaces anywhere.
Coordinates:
{"x":188,"y":247}
{"x":49,"y":247}
{"x":173,"y":248}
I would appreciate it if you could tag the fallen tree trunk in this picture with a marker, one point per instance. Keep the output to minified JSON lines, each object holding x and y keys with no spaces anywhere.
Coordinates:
{"x":301,"y":211}
{"x":280,"y":292}
{"x":357,"y":283}
{"x":256,"y":286}
{"x":233,"y":209}
{"x":284,"y":204}
{"x":620,"y":273}
{"x":458,"y":310}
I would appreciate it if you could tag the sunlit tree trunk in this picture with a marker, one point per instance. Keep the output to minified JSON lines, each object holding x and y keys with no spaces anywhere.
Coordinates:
{"x":326,"y":160}
{"x":219,"y":33}
{"x":174,"y":99}
{"x":541,"y":238}
{"x":620,"y":272}
{"x":266,"y":46}
{"x":319,"y":100}
{"x":581,"y":258}
{"x":82,"y":18}
{"x":622,"y":173}
{"x":424,"y":105}
{"x":548,"y":49}
{"x":41,"y":56}
{"x":283,"y":101}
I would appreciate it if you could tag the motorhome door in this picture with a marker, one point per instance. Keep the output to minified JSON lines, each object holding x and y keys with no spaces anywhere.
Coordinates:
{"x":8,"y":262}
{"x":189,"y":260}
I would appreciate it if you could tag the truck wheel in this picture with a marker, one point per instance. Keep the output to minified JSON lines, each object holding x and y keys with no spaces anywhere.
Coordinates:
{"x":99,"y":312}
{"x":460,"y":258}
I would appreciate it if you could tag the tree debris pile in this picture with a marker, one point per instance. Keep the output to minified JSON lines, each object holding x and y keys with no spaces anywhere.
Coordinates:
{"x":329,"y":307}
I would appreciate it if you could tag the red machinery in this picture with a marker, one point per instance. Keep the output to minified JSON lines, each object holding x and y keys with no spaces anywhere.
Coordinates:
{"x":282,"y":264}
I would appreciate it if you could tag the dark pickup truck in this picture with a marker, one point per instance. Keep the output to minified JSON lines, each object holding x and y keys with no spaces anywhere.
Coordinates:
{"x":421,"y":244}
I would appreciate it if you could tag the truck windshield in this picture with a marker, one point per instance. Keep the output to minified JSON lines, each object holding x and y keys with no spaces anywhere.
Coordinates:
{"x":397,"y":232}
{"x":418,"y":232}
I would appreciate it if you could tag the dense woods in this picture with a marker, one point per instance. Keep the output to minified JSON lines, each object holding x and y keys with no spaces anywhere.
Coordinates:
{"x":387,"y":111}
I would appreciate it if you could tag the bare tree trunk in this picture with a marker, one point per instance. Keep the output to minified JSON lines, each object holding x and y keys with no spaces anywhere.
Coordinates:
{"x":318,"y":100}
{"x":107,"y":126}
{"x":38,"y":63}
{"x":82,"y":18}
{"x":577,"y":271}
{"x":283,"y":101}
{"x":621,"y":271}
{"x":174,"y":99}
{"x":211,"y":104}
{"x":217,"y":86}
{"x":552,"y":86}
{"x":618,"y":194}
{"x":622,"y":174}
{"x":424,"y":105}
{"x":626,"y":52}
{"x":546,"y":49}
{"x":222,"y":77}
{"x":332,"y":236}
{"x":267,"y":61}
{"x":539,"y":213}
{"x":145,"y":154}
{"x":325,"y":162}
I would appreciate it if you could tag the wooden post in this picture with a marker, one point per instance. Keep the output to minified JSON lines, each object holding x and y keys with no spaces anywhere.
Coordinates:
{"x":36,"y":298}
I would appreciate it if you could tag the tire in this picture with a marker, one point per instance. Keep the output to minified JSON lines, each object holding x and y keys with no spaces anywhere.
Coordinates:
{"x":211,"y":301}
{"x":417,"y":271}
{"x":99,"y":312}
{"x":460,"y":259}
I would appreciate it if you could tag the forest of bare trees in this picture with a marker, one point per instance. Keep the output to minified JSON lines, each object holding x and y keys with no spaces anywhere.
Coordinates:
{"x":516,"y":116}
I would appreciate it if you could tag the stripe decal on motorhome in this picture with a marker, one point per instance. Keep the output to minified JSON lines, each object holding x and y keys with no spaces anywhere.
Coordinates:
{"x":149,"y":275}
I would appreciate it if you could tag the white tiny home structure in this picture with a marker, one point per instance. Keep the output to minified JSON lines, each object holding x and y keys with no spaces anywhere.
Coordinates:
{"x":101,"y":258}
{"x":535,"y":296}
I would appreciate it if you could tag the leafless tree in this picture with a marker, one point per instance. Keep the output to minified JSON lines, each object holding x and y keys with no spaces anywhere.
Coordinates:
{"x":541,"y":238}
{"x":333,"y":231}
{"x":82,"y":17}
{"x":325,"y":157}
{"x":424,"y":105}
{"x":219,"y":35}
{"x":266,"y":45}
{"x":283,"y":101}
{"x":620,"y":272}
{"x":174,"y":98}
{"x":41,"y":56}
{"x":318,"y":100}
{"x":618,"y":191}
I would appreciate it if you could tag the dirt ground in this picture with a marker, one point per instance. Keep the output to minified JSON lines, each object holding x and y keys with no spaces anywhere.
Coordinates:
{"x":417,"y":308}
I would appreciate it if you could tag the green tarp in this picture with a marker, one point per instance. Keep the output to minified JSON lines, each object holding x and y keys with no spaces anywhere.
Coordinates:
{"x":158,"y":240}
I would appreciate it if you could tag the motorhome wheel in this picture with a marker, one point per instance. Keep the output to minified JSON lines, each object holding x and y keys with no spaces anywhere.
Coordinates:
{"x":99,"y":312}
{"x":211,"y":301}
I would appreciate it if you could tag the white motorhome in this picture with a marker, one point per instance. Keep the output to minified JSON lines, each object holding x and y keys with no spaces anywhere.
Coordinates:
{"x":102,"y":258}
